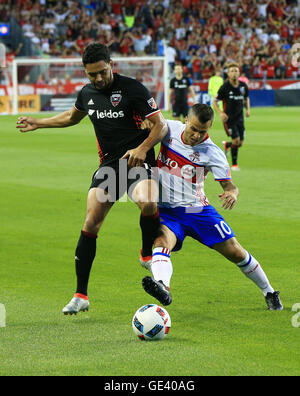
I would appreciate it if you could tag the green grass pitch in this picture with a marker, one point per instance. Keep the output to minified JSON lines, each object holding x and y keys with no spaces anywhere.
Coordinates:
{"x":220,"y":325}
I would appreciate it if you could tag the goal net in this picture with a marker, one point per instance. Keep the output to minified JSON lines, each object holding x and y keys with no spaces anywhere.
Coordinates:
{"x":51,"y":85}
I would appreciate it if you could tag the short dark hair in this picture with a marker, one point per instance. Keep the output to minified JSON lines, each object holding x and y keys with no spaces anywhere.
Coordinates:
{"x":94,"y":53}
{"x":203,"y":112}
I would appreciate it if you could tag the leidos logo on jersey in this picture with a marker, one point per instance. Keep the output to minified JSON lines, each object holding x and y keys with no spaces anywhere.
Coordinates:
{"x":107,"y":114}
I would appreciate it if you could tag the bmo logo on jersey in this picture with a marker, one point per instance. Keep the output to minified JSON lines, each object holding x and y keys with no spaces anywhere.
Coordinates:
{"x":171,"y":163}
{"x":177,"y":166}
{"x":107,"y":114}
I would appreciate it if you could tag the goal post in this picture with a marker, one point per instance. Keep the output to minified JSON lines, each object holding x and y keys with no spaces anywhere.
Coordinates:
{"x":55,"y":82}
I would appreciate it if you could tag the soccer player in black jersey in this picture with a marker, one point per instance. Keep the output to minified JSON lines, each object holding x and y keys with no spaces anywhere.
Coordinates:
{"x":235,"y":97}
{"x":180,"y":86}
{"x":116,"y":106}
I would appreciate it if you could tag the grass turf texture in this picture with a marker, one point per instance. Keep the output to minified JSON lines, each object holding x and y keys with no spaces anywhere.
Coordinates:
{"x":220,"y":325}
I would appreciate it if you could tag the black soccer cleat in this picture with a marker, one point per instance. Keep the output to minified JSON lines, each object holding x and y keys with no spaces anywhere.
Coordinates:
{"x":273,"y":301}
{"x":157,"y":289}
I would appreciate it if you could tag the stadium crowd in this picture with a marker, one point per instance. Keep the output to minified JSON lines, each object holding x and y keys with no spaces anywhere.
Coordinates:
{"x":201,"y":35}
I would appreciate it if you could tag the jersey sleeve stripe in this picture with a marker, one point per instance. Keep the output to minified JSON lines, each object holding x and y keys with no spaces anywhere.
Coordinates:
{"x":81,"y":111}
{"x":151,"y":114}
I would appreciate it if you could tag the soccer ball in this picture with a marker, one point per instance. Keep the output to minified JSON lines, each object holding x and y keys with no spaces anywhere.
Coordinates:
{"x":151,"y":322}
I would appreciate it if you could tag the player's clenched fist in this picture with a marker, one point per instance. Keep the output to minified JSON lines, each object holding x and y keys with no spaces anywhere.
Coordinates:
{"x":136,"y":157}
{"x":26,"y":124}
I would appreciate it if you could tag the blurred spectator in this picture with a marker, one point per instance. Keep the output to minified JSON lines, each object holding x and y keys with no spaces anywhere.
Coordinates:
{"x":140,"y":41}
{"x":171,"y":56}
{"x":202,"y":35}
{"x":244,"y":79}
{"x":40,"y":80}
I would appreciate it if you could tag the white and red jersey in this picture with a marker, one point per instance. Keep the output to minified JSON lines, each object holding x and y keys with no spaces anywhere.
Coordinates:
{"x":182,"y":169}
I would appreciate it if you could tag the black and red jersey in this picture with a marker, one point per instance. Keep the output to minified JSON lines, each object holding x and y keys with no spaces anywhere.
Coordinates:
{"x":117,"y":113}
{"x":233,"y":100}
{"x":180,"y":87}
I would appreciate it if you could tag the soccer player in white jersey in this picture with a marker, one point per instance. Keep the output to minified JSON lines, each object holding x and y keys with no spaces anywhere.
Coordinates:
{"x":187,"y":155}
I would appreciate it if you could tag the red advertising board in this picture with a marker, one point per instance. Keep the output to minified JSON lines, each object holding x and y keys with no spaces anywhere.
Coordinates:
{"x":260,"y":84}
{"x":71,"y":88}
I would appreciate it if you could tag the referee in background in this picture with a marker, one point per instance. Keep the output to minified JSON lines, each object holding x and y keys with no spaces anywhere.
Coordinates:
{"x":235,"y":97}
{"x":214,"y":84}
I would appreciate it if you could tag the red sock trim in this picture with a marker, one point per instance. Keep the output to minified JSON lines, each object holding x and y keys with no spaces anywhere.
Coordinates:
{"x":79,"y":295}
{"x":89,"y":234}
{"x":155,"y":216}
{"x":234,"y":146}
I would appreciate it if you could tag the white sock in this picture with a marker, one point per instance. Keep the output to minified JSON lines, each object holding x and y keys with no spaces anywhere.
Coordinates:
{"x":252,"y":269}
{"x":161,"y":267}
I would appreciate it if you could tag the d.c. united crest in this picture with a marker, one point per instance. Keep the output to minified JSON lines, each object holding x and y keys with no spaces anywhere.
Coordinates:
{"x":152,"y":103}
{"x":115,"y":99}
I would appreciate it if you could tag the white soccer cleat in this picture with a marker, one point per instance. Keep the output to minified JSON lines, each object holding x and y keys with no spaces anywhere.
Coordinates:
{"x":76,"y":305}
{"x":235,"y":168}
{"x":146,"y":261}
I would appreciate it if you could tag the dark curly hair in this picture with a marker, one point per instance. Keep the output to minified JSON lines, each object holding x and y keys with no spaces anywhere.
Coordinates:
{"x":94,"y":53}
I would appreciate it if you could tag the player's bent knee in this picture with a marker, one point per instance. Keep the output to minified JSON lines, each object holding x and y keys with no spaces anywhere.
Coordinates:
{"x":94,"y":220}
{"x":92,"y":225}
{"x":146,"y":192}
{"x":232,"y":250}
{"x":236,"y":253}
{"x":164,"y":243}
{"x":166,"y":238}
{"x":237,"y":256}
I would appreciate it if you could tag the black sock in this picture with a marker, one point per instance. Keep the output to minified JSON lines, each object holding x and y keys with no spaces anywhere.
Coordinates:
{"x":228,"y":144}
{"x":85,"y":254}
{"x":149,"y":226}
{"x":234,"y":154}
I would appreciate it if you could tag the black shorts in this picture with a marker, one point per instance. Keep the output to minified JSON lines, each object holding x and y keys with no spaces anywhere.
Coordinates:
{"x":117,"y":178}
{"x":180,"y":108}
{"x":235,"y":129}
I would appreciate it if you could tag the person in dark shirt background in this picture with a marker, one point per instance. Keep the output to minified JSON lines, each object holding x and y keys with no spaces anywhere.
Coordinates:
{"x":235,"y":97}
{"x":180,"y":87}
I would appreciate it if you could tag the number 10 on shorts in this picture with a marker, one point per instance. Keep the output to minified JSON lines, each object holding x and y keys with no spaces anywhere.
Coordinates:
{"x":2,"y":316}
{"x":223,"y":229}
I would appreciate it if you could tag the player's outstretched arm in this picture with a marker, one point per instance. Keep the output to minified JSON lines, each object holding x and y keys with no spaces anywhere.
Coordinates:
{"x":247,"y":106}
{"x":193,"y":95}
{"x":62,"y":120}
{"x":159,"y":130}
{"x":230,"y":194}
{"x":171,"y":92}
{"x":221,"y":113}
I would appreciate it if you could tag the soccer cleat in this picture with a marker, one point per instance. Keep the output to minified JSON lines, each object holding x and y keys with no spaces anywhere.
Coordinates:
{"x":226,"y":149}
{"x":235,"y":168}
{"x":76,"y":305}
{"x":157,"y":289}
{"x":273,"y":301}
{"x":146,"y":261}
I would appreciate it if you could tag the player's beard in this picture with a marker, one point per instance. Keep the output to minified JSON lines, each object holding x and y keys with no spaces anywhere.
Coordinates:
{"x":105,"y":84}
